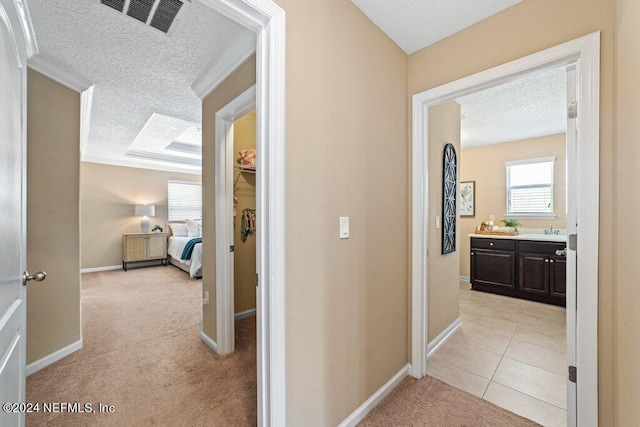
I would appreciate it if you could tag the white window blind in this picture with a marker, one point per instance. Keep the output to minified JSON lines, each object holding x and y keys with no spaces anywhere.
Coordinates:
{"x":185,"y":200}
{"x":530,"y":186}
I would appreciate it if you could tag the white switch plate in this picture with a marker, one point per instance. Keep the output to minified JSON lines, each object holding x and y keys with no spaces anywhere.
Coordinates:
{"x":205,"y":300}
{"x":437,"y":221}
{"x":344,"y":227}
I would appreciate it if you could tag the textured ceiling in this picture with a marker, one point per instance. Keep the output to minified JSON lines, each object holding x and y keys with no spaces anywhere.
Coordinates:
{"x":137,"y":71}
{"x":414,"y":24}
{"x":529,"y":107}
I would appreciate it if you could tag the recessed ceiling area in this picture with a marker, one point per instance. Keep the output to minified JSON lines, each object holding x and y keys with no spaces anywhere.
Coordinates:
{"x":529,"y":107}
{"x":415,"y":24}
{"x":142,"y":76}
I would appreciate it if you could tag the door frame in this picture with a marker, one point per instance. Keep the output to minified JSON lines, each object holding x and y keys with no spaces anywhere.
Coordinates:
{"x":585,"y":53}
{"x":267,"y":20}
{"x":224,"y":180}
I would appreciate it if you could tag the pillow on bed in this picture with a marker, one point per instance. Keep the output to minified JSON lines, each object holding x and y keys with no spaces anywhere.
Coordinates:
{"x":179,"y":230}
{"x":192,"y":228}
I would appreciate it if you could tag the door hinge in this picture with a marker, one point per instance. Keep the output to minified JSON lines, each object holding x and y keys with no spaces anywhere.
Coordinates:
{"x":257,"y":280}
{"x":572,"y":110}
{"x":232,"y":248}
{"x":573,"y":374}
{"x":573,"y":242}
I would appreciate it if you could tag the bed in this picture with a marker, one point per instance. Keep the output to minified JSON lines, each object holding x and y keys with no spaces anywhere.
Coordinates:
{"x":175,"y":249}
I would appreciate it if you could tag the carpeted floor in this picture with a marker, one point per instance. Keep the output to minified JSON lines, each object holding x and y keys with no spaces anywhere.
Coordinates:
{"x":142,"y":354}
{"x":430,"y":402}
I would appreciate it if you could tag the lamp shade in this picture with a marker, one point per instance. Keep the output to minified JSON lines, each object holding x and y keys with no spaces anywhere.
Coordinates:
{"x":145,"y":210}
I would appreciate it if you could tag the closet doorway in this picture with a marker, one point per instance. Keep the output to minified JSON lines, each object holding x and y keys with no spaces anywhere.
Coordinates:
{"x":235,"y":208}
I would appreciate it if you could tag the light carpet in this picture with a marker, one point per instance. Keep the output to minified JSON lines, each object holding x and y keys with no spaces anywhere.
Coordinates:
{"x":142,"y":354}
{"x":430,"y":402}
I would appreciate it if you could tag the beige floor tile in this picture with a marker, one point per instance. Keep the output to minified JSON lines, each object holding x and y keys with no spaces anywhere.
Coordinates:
{"x":547,"y":311}
{"x":502,"y":327}
{"x":535,"y":382}
{"x":480,"y":337}
{"x":456,"y":377}
{"x":541,"y":412}
{"x":552,"y":338}
{"x":469,"y":358}
{"x":540,"y":357}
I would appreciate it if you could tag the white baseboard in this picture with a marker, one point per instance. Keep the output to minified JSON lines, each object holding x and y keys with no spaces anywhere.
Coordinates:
{"x":207,"y":339}
{"x":244,"y":314}
{"x":362,"y":411}
{"x":95,"y":270}
{"x":443,"y":337}
{"x":465,"y":279}
{"x":42,"y":363}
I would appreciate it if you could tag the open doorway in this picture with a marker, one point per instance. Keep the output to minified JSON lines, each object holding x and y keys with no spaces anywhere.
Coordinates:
{"x":579,"y":61}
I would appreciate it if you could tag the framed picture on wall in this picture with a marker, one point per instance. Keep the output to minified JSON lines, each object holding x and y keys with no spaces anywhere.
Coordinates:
{"x":468,"y":198}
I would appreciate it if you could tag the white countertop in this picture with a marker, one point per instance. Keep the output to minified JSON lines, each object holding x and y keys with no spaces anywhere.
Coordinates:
{"x":528,"y":236}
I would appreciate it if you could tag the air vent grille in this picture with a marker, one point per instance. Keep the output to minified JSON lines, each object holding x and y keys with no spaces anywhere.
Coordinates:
{"x":159,"y":14}
{"x":165,"y":14}
{"x":140,"y":9}
{"x":114,"y":4}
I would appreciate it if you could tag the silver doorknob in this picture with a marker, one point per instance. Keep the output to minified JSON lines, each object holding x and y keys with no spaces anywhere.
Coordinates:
{"x":561,"y":252}
{"x":38,"y":277}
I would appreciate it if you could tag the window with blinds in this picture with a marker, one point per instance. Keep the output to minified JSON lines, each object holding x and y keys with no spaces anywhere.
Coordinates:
{"x":530,"y":186}
{"x":185,"y":200}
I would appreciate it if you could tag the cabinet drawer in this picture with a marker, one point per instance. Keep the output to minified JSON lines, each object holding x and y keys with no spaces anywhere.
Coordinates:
{"x":540,"y":247}
{"x":497,"y":244}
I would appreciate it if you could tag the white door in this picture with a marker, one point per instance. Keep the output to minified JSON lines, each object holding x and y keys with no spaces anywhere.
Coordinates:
{"x":572,"y":222}
{"x":12,"y":213}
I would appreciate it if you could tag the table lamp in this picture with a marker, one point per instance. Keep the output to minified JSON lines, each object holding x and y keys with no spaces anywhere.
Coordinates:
{"x":145,"y":211}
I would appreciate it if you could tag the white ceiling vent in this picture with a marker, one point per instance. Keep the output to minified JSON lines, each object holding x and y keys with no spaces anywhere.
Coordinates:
{"x":159,"y":14}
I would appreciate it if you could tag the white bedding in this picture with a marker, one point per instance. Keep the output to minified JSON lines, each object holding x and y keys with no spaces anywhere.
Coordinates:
{"x":175,"y":248}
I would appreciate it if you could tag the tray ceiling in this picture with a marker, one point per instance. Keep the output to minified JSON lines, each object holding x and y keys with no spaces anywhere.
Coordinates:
{"x":138,"y":71}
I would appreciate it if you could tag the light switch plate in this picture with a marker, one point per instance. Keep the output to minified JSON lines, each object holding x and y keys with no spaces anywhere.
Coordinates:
{"x":437,"y":221}
{"x":344,"y":227}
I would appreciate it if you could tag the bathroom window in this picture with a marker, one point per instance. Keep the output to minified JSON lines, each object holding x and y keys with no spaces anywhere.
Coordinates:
{"x":185,"y":200}
{"x":530,"y":188}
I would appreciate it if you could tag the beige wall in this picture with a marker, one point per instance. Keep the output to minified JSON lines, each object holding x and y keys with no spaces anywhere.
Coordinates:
{"x":53,"y":222}
{"x":347,"y":155}
{"x":627,"y":203}
{"x":444,"y":127}
{"x":108,"y":196}
{"x":239,"y":81}
{"x":485,"y":166}
{"x":529,"y":27}
{"x":244,"y":137}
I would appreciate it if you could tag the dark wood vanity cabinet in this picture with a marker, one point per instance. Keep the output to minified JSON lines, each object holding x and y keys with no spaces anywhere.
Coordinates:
{"x":519,"y":268}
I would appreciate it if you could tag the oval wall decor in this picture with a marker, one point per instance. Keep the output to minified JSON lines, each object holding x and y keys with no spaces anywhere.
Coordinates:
{"x":449,"y":199}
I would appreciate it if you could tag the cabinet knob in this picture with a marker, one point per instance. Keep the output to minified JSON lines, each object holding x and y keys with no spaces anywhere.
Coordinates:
{"x":472,"y":253}
{"x":546,"y":260}
{"x":490,"y":243}
{"x":551,"y":261}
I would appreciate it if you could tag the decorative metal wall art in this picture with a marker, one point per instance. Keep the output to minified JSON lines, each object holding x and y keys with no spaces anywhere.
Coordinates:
{"x":449,"y":199}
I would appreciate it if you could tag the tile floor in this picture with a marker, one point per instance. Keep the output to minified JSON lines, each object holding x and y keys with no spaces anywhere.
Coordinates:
{"x":510,"y":352}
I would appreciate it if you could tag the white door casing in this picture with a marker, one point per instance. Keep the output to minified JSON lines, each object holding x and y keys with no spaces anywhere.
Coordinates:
{"x":243,"y":104}
{"x":13,"y":256}
{"x":584,"y":52}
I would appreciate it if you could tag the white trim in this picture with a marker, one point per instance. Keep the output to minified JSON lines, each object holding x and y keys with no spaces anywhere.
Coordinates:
{"x":465,"y":278}
{"x":362,"y":410}
{"x":63,"y":74}
{"x":97,"y":269}
{"x":52,"y":358}
{"x":140,"y":165}
{"x":530,"y":161}
{"x":437,"y":342}
{"x":268,"y":20}
{"x":225,"y":64}
{"x":86,"y":102}
{"x":223,"y":196}
{"x":27,"y":27}
{"x":245,"y":314}
{"x":584,"y":51}
{"x":207,"y":339}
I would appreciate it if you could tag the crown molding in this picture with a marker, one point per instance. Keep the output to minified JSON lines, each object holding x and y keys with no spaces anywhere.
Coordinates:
{"x":141,"y":165}
{"x":148,"y":155}
{"x":27,"y":27}
{"x":63,"y":74}
{"x":224,"y":65}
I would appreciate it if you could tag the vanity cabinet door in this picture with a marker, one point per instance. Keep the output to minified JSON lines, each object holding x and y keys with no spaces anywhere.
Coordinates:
{"x":493,"y":268}
{"x":533,"y":273}
{"x":558,"y":275}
